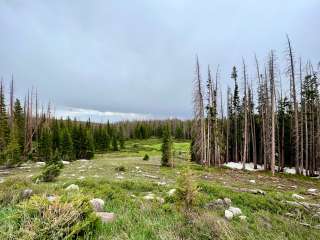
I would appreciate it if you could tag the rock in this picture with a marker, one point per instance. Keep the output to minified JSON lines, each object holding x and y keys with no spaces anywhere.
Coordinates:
{"x":27,"y":193}
{"x":150,"y":196}
{"x":65,"y":162}
{"x":150,"y":176}
{"x":243,"y":218}
{"x":41,"y":163}
{"x":51,"y":198}
{"x":227,"y":201}
{"x":235,"y":211}
{"x":81,"y":177}
{"x":228,"y":215}
{"x":297,"y":196}
{"x":72,"y":187}
{"x":312,"y":190}
{"x":106,"y":217}
{"x":161,"y":183}
{"x":1,"y":180}
{"x":252,"y":181}
{"x":82,"y":160}
{"x":119,"y":177}
{"x":160,"y":200}
{"x":97,"y":204}
{"x":172,"y":192}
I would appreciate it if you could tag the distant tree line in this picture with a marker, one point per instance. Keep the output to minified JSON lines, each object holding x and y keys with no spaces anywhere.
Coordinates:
{"x":266,"y":125}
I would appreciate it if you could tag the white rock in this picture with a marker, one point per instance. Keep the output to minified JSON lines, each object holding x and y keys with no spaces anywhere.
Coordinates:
{"x":228,"y":214}
{"x":51,"y":198}
{"x":235,"y":211}
{"x":106,"y":217}
{"x":120,"y":177}
{"x":137,"y":168}
{"x":252,"y":181}
{"x":1,"y":180}
{"x":72,"y":187}
{"x":243,"y":218}
{"x":160,"y":199}
{"x":83,"y":160}
{"x":227,"y":201}
{"x":297,"y":196}
{"x":161,"y":183}
{"x":312,"y":190}
{"x":27,"y":193}
{"x":97,"y":204}
{"x":81,"y":177}
{"x":41,"y":163}
{"x":150,"y":196}
{"x":65,"y":162}
{"x":172,"y":192}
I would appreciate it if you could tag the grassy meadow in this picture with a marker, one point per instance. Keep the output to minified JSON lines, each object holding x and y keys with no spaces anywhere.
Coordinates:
{"x":122,"y":179}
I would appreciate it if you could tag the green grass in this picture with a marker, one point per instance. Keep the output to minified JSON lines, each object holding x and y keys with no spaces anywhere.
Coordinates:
{"x":141,"y":219}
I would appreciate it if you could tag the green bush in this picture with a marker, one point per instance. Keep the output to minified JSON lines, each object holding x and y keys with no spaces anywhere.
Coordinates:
{"x":50,"y":172}
{"x":62,"y":219}
{"x":146,"y":157}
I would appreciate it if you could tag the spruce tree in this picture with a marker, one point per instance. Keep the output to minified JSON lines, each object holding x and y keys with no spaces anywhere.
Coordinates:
{"x":19,"y":120}
{"x":66,"y":146}
{"x":115,"y":144}
{"x":45,"y":144}
{"x":166,"y":149}
{"x":13,"y":150}
{"x":4,"y":124}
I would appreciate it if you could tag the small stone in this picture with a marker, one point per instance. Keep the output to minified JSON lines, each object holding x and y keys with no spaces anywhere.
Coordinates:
{"x":41,"y":163}
{"x":252,"y":181}
{"x":83,"y":160}
{"x":235,"y":211}
{"x":243,"y":218}
{"x":81,"y":177}
{"x":51,"y":198}
{"x":172,"y":192}
{"x":150,"y":196}
{"x":227,"y":201}
{"x":72,"y":187}
{"x":228,"y":215}
{"x":27,"y":193}
{"x":161,"y":183}
{"x":65,"y":162}
{"x":160,"y":200}
{"x":297,"y":196}
{"x":97,"y":204}
{"x":312,"y":190}
{"x":106,"y":217}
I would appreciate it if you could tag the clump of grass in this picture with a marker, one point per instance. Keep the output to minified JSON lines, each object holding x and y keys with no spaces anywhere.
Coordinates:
{"x":10,"y":190}
{"x":146,"y":157}
{"x":62,"y":219}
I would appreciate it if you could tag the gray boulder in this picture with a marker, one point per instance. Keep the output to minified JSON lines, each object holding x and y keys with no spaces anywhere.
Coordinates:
{"x":97,"y":204}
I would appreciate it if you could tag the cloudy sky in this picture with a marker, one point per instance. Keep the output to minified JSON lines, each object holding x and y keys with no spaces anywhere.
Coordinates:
{"x":127,"y":59}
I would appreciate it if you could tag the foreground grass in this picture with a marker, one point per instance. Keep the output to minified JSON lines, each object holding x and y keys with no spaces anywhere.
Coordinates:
{"x":123,"y":192}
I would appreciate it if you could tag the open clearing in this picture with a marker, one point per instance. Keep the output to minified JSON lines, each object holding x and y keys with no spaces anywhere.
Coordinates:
{"x":280,"y":207}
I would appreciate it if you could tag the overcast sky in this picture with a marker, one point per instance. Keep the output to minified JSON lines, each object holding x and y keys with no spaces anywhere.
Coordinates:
{"x":117,"y":59}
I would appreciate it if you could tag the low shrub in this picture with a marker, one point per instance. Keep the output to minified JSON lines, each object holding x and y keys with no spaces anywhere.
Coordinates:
{"x":50,"y":173}
{"x":120,"y":169}
{"x":62,"y":219}
{"x":146,"y":157}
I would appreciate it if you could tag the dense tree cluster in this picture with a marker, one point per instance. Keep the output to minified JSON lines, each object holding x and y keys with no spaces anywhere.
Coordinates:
{"x":28,"y":134}
{"x":272,"y":128}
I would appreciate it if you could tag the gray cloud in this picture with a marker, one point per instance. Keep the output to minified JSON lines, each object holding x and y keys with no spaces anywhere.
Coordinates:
{"x":138,"y":56}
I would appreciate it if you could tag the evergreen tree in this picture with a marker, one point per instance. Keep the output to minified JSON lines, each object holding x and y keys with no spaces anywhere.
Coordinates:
{"x":121,"y":138}
{"x":66,"y":146}
{"x":13,"y":150}
{"x":115,"y":144}
{"x":4,"y":124}
{"x":45,"y":144}
{"x":166,"y":149}
{"x":89,"y":145}
{"x":19,"y":120}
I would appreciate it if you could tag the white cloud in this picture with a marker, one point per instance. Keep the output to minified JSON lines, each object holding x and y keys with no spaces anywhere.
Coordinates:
{"x":98,"y":116}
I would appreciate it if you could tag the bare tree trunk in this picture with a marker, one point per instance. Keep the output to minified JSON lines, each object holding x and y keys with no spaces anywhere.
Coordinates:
{"x":291,"y":72}
{"x":245,"y":133}
{"x":272,"y":94}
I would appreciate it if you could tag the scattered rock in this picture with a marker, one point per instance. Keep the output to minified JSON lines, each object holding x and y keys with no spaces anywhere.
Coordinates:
{"x":243,"y":218}
{"x":65,"y":162}
{"x":227,"y":201}
{"x":83,"y":160}
{"x":235,"y":211}
{"x":120,"y":177}
{"x":51,"y":198}
{"x":41,"y":163}
{"x":161,"y":183}
{"x":252,"y":181}
{"x":160,"y":199}
{"x":216,"y":204}
{"x":150,"y":196}
{"x":72,"y":187}
{"x":1,"y":180}
{"x":254,"y":191}
{"x":27,"y":193}
{"x":97,"y":204}
{"x":228,"y":215}
{"x":172,"y":192}
{"x":297,"y":196}
{"x":150,"y":176}
{"x":106,"y":217}
{"x":294,"y":187}
{"x":81,"y":177}
{"x":312,"y":190}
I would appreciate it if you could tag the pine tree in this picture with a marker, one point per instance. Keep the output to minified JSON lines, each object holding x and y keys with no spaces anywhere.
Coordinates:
{"x":45,"y":144}
{"x":166,"y":149}
{"x":115,"y":144}
{"x":13,"y":150}
{"x":4,"y":123}
{"x":19,"y":121}
{"x":66,"y":146}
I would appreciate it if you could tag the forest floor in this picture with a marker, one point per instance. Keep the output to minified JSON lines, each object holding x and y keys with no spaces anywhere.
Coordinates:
{"x":276,"y":207}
